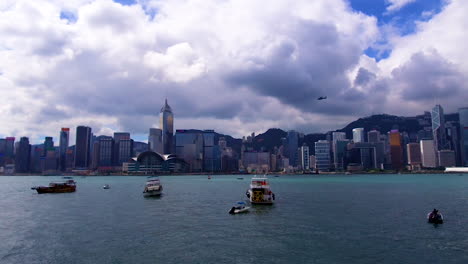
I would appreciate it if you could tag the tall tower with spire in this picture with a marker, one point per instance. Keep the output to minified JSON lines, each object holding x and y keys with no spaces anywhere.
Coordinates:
{"x":166,"y":119}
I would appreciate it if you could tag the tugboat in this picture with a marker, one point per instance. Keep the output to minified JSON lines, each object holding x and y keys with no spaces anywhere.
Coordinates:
{"x":259,"y":192}
{"x":57,"y":187}
{"x":153,"y":187}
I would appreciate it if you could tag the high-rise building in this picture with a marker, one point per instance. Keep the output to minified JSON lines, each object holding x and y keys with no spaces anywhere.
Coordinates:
{"x":118,"y":136}
{"x":48,"y":145}
{"x":125,"y":148}
{"x":414,"y":155}
{"x":106,"y":147}
{"x":293,"y":142}
{"x":190,"y":147}
{"x":396,"y":150}
{"x":339,"y":151}
{"x":428,"y":153}
{"x":9,"y":149}
{"x":64,"y":142}
{"x":210,"y":160}
{"x":438,"y":128}
{"x":155,"y":140}
{"x":358,"y":135}
{"x":463,"y":113}
{"x":167,"y":126}
{"x":454,"y":140}
{"x":23,"y":155}
{"x":305,"y":157}
{"x":322,"y":155}
{"x":373,"y":136}
{"x":446,"y":158}
{"x":83,"y":147}
{"x":2,"y":151}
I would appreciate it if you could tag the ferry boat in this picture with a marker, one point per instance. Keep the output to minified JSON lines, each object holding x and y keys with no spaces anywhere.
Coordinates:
{"x":153,"y":187}
{"x":57,"y":187}
{"x":260,"y":192}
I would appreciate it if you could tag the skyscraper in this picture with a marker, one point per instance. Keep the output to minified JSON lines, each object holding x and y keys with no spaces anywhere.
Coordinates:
{"x":119,"y":136}
{"x":189,"y":146}
{"x":358,"y":135}
{"x":322,"y":155}
{"x":48,"y":145}
{"x":155,"y":140}
{"x":438,"y":128}
{"x":414,"y":155}
{"x":23,"y":156}
{"x":64,"y":138}
{"x":463,"y":112}
{"x":428,"y":153}
{"x":166,"y":118}
{"x":293,"y":142}
{"x":396,"y":151}
{"x":106,"y":147}
{"x":373,"y":136}
{"x":82,"y":147}
{"x":305,"y":158}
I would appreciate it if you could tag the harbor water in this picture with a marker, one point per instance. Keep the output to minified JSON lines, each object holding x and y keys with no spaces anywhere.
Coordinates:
{"x":315,"y":219}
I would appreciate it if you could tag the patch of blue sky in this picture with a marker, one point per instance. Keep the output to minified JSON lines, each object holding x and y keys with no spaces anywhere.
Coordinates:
{"x":125,"y":2}
{"x":403,"y":21}
{"x":69,"y":16}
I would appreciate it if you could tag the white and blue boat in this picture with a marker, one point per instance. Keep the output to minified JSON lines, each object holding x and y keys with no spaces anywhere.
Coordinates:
{"x":238,"y":208}
{"x":153,"y":187}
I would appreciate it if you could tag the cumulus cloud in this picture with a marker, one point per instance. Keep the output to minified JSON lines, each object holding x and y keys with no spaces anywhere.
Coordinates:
{"x":233,"y":65}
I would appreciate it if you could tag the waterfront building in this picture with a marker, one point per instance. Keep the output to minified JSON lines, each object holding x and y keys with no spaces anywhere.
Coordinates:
{"x":446,"y":158}
{"x":106,"y":147}
{"x":463,"y":113}
{"x":305,"y":157}
{"x":2,"y":151}
{"x":35,"y":164}
{"x":63,"y":146}
{"x":339,"y":152}
{"x":358,"y":135}
{"x":211,"y":153}
{"x":150,"y":162}
{"x":95,"y":155}
{"x":23,"y":156}
{"x":454,"y":140}
{"x":438,"y":128}
{"x":414,"y":155}
{"x":322,"y":155}
{"x":167,"y":126}
{"x":312,"y":162}
{"x":49,"y":162}
{"x":48,"y":145}
{"x":428,"y":153}
{"x":118,"y":137}
{"x":373,"y":136}
{"x":256,"y":162}
{"x":363,"y":154}
{"x":155,"y":140}
{"x":292,"y":146}
{"x":9,"y":150}
{"x":125,"y":150}
{"x":82,"y":147}
{"x":190,"y":147}
{"x":396,"y":151}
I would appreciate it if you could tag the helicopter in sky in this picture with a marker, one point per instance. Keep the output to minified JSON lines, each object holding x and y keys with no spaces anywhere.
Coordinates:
{"x":322,"y":98}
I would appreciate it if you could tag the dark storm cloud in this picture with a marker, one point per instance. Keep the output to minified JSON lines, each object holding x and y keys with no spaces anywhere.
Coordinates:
{"x":297,"y":71}
{"x":364,"y":76}
{"x":428,"y":76}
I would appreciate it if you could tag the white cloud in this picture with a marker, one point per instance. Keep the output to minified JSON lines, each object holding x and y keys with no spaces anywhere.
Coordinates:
{"x":395,"y":5}
{"x":233,"y":65}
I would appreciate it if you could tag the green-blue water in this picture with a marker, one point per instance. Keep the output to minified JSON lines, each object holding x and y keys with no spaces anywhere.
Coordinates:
{"x":316,"y":219}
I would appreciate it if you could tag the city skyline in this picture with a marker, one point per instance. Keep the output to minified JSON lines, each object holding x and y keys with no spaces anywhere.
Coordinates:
{"x":106,"y":64}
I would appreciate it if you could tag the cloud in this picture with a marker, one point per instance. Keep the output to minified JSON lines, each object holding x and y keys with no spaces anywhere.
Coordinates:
{"x":395,"y":5}
{"x":233,"y":65}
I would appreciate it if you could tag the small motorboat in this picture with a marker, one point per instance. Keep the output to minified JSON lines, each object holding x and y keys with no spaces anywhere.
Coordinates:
{"x":239,"y":208}
{"x":106,"y":186}
{"x":435,"y":217}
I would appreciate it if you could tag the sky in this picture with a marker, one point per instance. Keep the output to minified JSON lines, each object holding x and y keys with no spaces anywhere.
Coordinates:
{"x":236,"y":66}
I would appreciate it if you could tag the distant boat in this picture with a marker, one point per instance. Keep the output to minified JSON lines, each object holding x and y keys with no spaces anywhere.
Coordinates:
{"x":240,"y":178}
{"x":209,"y":177}
{"x":153,"y":187}
{"x":239,"y":208}
{"x":106,"y":186}
{"x":57,"y":187}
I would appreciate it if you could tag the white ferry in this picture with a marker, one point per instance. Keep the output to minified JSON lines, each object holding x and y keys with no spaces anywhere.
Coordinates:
{"x":153,"y":187}
{"x":260,"y":192}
